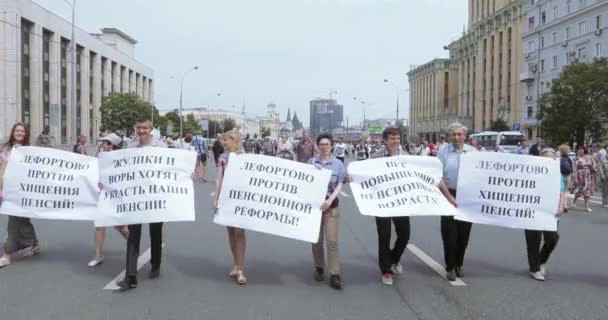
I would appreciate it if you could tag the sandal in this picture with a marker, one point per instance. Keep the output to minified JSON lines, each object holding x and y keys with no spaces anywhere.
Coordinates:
{"x":233,"y":273}
{"x":31,"y":250}
{"x":5,"y":260}
{"x":240,"y":278}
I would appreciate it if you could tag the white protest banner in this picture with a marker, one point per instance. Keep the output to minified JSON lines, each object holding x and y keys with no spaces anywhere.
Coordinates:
{"x":145,"y":185}
{"x":272,"y":195}
{"x":508,"y":190}
{"x":50,"y":184}
{"x":399,"y":186}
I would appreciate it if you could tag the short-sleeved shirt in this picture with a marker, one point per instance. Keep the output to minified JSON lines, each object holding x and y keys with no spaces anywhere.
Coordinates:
{"x":154,"y":143}
{"x":338,"y":172}
{"x":450,"y":160}
{"x":199,"y":145}
{"x":305,"y":152}
{"x":340,"y":150}
{"x":222,"y":161}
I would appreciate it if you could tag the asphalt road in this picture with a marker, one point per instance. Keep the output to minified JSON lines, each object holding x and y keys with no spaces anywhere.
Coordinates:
{"x":194,"y":283}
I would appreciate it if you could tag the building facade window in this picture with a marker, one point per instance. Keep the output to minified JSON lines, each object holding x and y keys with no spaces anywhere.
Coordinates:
{"x":555,"y":12}
{"x":46,"y":88}
{"x":542,"y":65}
{"x":582,"y":27}
{"x":542,"y":42}
{"x":543,"y":17}
{"x":64,"y":90}
{"x":530,"y":112}
{"x":78,"y":105}
{"x":568,"y":6}
{"x":554,"y":37}
{"x":531,"y":23}
{"x":582,"y":53}
{"x":598,"y":22}
{"x":554,"y":65}
{"x":598,"y":49}
{"x":567,"y":33}
{"x":26,"y":26}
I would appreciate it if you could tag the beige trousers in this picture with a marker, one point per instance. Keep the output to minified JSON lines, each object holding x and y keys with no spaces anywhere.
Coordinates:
{"x":329,"y":230}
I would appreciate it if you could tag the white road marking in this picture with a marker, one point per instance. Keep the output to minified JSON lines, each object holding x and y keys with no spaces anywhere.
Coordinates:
{"x":141,"y":261}
{"x":433,"y":264}
{"x":344,"y":194}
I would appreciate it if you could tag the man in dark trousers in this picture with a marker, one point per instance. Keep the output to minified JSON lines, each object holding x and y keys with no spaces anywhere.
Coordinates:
{"x":537,"y":147}
{"x":389,"y":259}
{"x":217,"y":148}
{"x":143,"y":129}
{"x":454,"y":233}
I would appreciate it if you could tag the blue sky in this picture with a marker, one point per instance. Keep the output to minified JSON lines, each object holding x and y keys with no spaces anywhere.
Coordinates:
{"x":282,"y":51}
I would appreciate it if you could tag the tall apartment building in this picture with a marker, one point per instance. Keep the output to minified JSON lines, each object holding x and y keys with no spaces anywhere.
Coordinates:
{"x":558,"y":32}
{"x":433,"y":98}
{"x":325,"y":115}
{"x":35,"y":72}
{"x":488,"y":58}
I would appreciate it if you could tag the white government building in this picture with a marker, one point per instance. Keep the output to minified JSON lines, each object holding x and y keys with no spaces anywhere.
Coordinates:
{"x":35,"y":69}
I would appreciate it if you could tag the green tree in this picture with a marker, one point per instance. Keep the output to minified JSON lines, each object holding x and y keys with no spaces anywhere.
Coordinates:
{"x":120,"y":110}
{"x":576,"y":108}
{"x":265,"y":132}
{"x":499,"y":125}
{"x":228,"y":124}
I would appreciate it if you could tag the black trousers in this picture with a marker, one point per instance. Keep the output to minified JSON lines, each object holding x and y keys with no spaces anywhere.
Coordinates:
{"x":536,"y":254}
{"x":386,"y":255}
{"x":341,"y":159}
{"x":156,"y":244}
{"x":455,"y":235}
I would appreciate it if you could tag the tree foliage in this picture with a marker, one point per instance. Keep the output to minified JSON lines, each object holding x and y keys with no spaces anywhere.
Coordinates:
{"x":576,"y":108}
{"x":120,"y":110}
{"x":499,"y":125}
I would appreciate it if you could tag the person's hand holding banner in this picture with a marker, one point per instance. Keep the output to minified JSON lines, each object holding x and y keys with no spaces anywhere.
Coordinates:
{"x":272,"y":195}
{"x":399,"y":186}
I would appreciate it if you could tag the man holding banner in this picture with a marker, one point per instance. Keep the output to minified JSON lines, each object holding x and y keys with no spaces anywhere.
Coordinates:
{"x":389,"y":259}
{"x":143,"y":129}
{"x":454,"y":233}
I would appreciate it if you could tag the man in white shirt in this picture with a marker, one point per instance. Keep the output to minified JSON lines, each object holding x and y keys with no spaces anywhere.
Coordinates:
{"x":340,"y":150}
{"x":424,"y":149}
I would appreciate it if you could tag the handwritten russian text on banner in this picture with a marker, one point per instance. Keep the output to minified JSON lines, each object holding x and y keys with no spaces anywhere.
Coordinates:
{"x":508,"y":190}
{"x":144,"y":185}
{"x":273,"y":195}
{"x":399,"y":186}
{"x":50,"y":184}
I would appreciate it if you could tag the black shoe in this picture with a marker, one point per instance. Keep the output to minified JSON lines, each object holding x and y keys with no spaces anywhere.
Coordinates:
{"x":127,"y":283}
{"x":154,"y":273}
{"x":450,"y":275}
{"x":335,"y":282}
{"x":459,"y":273}
{"x":319,"y":274}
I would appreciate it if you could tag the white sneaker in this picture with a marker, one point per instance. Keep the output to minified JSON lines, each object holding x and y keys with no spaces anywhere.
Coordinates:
{"x":387,"y":279}
{"x":573,"y":205}
{"x":605,"y":206}
{"x":543,"y":269}
{"x":537,"y":276}
{"x":397,"y":268}
{"x":94,"y":263}
{"x":5,"y":261}
{"x":589,"y":210}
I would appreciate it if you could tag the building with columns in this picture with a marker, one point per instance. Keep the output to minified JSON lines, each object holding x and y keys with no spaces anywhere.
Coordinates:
{"x":35,"y":72}
{"x":487,"y":57}
{"x":434,"y":99}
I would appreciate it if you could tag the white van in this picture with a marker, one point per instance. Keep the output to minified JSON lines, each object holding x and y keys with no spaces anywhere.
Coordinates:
{"x":506,"y":139}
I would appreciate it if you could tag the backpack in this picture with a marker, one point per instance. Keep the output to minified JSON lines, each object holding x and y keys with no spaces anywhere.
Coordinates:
{"x":565,"y":166}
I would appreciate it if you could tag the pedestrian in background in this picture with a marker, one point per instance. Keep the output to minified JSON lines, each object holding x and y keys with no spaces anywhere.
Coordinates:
{"x":454,"y":233}
{"x":584,"y":171}
{"x":330,"y":213}
{"x":305,"y":149}
{"x":81,"y":145}
{"x":21,"y":233}
{"x":109,"y":143}
{"x":602,"y":166}
{"x":200,"y":147}
{"x":340,"y":150}
{"x":231,"y":142}
{"x":566,"y":168}
{"x":535,"y":148}
{"x":217,"y":148}
{"x":285,"y":148}
{"x":537,"y":256}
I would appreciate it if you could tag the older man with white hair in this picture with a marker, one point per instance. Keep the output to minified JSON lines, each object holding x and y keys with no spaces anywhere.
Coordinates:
{"x":455,"y":233}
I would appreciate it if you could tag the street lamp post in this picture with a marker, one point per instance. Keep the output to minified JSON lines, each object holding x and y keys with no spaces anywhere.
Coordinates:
{"x":181,"y":98}
{"x":397,"y":94}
